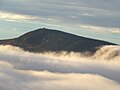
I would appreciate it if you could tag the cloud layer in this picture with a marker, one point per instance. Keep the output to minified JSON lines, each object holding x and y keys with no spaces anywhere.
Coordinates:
{"x":64,"y":71}
{"x":83,"y":12}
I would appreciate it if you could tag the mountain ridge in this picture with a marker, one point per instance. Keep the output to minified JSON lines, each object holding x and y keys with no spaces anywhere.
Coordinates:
{"x":43,"y":40}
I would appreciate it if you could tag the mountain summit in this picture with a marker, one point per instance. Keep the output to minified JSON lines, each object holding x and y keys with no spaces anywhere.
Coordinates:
{"x":43,"y":40}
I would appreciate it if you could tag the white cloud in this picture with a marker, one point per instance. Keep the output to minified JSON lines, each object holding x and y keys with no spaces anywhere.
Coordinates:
{"x":101,"y":29}
{"x":12,"y":17}
{"x":7,"y":16}
{"x":64,"y":71}
{"x":43,"y":80}
{"x":115,"y":30}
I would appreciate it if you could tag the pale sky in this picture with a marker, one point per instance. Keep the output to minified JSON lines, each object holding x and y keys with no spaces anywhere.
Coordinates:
{"x":99,"y":19}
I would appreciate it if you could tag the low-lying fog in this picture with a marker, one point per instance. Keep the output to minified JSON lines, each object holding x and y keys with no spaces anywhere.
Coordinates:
{"x":22,"y":70}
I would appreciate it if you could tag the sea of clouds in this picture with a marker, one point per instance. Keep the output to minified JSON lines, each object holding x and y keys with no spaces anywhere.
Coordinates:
{"x":22,"y":70}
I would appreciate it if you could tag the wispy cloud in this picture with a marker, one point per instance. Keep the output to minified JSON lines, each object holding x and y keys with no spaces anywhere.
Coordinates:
{"x":14,"y":17}
{"x":7,"y":16}
{"x":101,"y":29}
{"x":96,"y":13}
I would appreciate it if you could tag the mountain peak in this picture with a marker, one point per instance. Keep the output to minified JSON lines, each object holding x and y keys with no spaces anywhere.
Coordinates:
{"x":43,"y":40}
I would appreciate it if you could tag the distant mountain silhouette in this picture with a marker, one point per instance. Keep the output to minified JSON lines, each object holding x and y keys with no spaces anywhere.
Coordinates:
{"x":43,"y":40}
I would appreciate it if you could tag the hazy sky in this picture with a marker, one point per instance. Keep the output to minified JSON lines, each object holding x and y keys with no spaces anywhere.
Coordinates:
{"x":91,"y":18}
